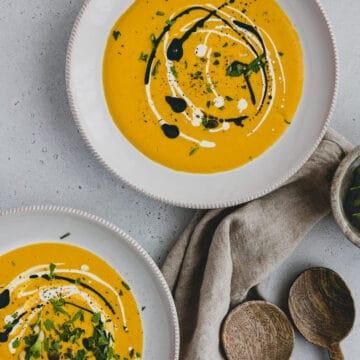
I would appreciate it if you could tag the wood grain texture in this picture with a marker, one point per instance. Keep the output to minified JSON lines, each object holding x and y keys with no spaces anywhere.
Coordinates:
{"x":335,"y":352}
{"x":257,"y":330}
{"x":322,"y":308}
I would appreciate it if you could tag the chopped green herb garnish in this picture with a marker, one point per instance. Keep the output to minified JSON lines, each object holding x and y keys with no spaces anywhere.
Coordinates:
{"x":225,"y":45}
{"x":9,"y":325}
{"x":208,"y":103}
{"x":153,"y":40}
{"x":174,"y":72}
{"x":116,"y":34}
{"x":228,"y":98}
{"x":217,"y":54}
{"x":193,"y":151}
{"x":209,"y":88}
{"x":77,"y":281}
{"x":216,"y":62}
{"x":255,"y":65}
{"x":352,"y":199}
{"x":155,"y":68}
{"x":78,"y":316}
{"x":49,"y":324}
{"x":186,"y":64}
{"x":143,"y":57}
{"x":204,"y":122}
{"x":281,"y":53}
{"x":58,"y":306}
{"x":15,"y":315}
{"x":96,"y":318}
{"x":160,"y":13}
{"x":62,"y":237}
{"x":125,"y":285}
{"x":169,"y":22}
{"x":202,"y":59}
{"x":197,"y":75}
{"x":237,"y":68}
{"x":16,"y":343}
{"x":52,"y":268}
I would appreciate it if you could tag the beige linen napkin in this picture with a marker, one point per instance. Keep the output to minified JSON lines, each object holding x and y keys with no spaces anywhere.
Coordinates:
{"x":223,"y":253}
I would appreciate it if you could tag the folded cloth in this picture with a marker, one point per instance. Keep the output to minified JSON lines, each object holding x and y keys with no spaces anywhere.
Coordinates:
{"x":224,"y":253}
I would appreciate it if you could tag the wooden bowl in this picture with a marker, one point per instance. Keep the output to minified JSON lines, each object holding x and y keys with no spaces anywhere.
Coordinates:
{"x":257,"y":330}
{"x":339,"y":188}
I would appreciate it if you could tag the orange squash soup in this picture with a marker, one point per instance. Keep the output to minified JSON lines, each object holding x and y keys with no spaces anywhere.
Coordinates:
{"x":205,"y":86}
{"x":59,"y":301}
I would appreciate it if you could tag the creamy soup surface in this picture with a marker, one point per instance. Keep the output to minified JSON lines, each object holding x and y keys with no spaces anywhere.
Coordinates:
{"x":203,"y":87}
{"x":59,"y":301}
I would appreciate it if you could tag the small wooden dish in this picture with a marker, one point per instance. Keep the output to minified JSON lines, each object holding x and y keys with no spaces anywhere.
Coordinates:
{"x":257,"y":330}
{"x":340,"y":186}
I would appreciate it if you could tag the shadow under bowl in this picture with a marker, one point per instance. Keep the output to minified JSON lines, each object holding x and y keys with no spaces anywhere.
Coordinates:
{"x":339,"y":189}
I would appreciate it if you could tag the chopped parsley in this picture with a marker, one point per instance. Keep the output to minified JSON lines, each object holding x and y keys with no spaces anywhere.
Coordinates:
{"x":52,"y":268}
{"x":174,"y":72}
{"x":62,"y":237}
{"x":143,"y":57}
{"x":53,"y":342}
{"x":197,"y":75}
{"x":16,"y":343}
{"x":237,"y":68}
{"x":209,"y":88}
{"x":125,"y":285}
{"x":58,"y":306}
{"x":169,"y":22}
{"x":160,"y":13}
{"x":155,"y":68}
{"x":116,"y":34}
{"x":153,"y":40}
{"x":49,"y":324}
{"x":193,"y":151}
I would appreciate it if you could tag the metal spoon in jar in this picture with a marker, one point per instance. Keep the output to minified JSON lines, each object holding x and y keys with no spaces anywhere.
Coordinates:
{"x":322,"y":309}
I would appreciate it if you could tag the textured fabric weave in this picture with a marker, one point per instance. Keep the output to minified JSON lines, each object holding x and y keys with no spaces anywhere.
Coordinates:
{"x":222,"y":254}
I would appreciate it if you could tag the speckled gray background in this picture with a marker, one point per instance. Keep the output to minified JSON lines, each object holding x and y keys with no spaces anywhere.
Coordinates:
{"x":43,"y":160}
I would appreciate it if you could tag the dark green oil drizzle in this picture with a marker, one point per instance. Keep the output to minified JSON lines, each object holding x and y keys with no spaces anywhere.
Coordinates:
{"x":177,"y":105}
{"x":170,"y":131}
{"x":4,"y":335}
{"x":86,"y":286}
{"x":4,"y":299}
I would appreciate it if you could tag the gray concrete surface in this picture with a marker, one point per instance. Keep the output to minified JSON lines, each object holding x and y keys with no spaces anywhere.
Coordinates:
{"x":43,"y":160}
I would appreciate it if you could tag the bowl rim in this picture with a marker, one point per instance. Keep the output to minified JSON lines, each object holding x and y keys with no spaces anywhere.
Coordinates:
{"x":336,"y":202}
{"x":203,"y":204}
{"x":48,"y":209}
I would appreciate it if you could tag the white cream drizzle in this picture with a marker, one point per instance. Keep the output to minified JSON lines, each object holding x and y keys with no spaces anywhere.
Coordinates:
{"x":203,"y":50}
